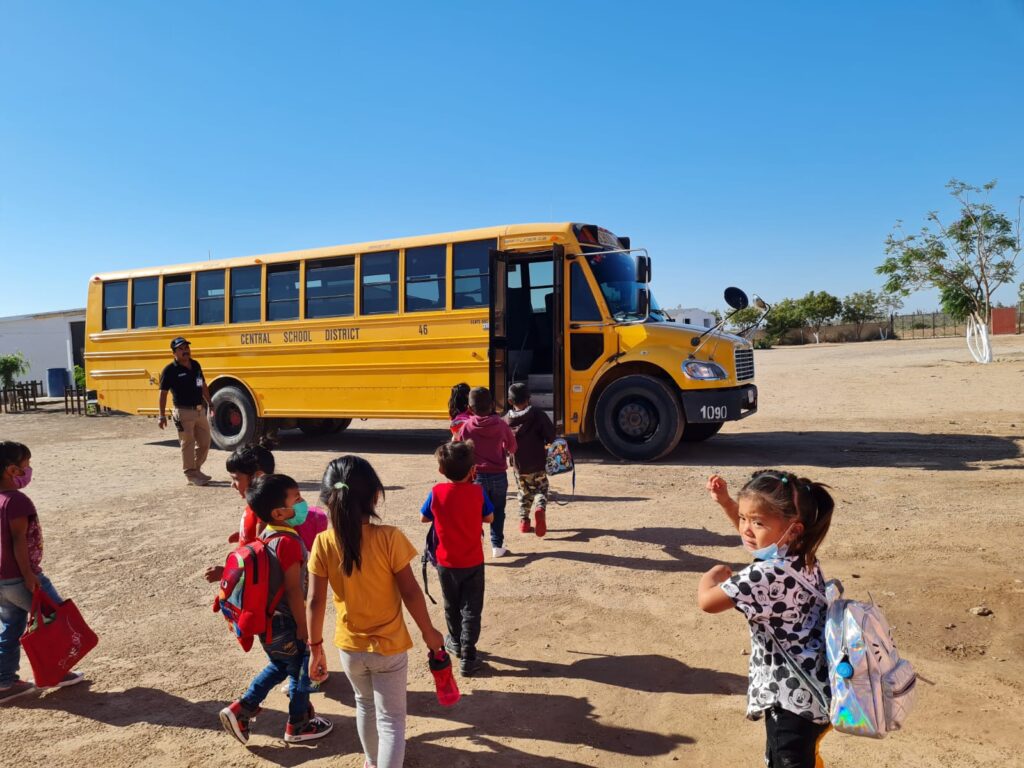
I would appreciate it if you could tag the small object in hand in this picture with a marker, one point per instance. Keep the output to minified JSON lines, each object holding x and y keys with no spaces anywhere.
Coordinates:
{"x":444,"y":681}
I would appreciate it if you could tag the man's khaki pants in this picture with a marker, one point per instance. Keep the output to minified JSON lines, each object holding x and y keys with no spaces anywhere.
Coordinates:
{"x":194,"y":434}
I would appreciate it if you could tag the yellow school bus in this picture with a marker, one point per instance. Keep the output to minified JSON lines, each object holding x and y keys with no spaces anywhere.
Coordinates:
{"x":316,"y":338}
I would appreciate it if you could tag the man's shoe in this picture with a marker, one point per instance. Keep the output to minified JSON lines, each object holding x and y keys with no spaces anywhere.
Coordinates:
{"x":498,"y":551}
{"x":16,"y":690}
{"x":236,"y":721}
{"x":452,"y":646}
{"x":524,"y":525}
{"x":196,"y":478}
{"x":470,"y":667}
{"x":315,"y":728}
{"x":542,"y":521}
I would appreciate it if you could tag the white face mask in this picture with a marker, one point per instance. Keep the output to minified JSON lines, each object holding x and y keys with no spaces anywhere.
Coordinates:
{"x":774,"y":551}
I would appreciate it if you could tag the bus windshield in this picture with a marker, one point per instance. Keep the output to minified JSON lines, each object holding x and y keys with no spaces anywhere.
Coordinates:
{"x":616,"y":274}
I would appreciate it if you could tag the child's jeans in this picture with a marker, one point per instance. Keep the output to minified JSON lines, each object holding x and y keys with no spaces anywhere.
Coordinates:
{"x":463,"y":590}
{"x":15,"y":603}
{"x":379,"y":683}
{"x":496,"y":485}
{"x":533,"y":492}
{"x":289,"y":659}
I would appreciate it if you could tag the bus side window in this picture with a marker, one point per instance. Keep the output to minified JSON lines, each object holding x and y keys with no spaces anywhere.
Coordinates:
{"x":425,"y":278}
{"x":471,"y":273}
{"x":283,"y":291}
{"x":380,"y":283}
{"x":145,"y":291}
{"x":245,"y":294}
{"x":583,"y":307}
{"x":330,"y":288}
{"x":115,"y":305}
{"x":177,"y":300}
{"x":210,"y":297}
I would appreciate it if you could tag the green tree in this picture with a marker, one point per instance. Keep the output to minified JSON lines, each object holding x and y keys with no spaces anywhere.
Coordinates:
{"x":967,"y":260}
{"x":818,"y":308}
{"x":785,"y":316}
{"x":859,"y":308}
{"x":12,"y":365}
{"x":743,"y":318}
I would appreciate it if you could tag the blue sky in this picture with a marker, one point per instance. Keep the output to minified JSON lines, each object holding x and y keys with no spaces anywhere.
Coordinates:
{"x":769,"y":145}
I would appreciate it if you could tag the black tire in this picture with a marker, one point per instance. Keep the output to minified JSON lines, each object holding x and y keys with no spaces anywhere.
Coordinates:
{"x":340,"y":425}
{"x":316,"y":427}
{"x":695,"y":433}
{"x":233,"y":422}
{"x":639,"y":418}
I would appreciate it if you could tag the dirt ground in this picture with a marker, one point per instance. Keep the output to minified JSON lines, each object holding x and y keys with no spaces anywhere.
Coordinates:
{"x":597,"y":654}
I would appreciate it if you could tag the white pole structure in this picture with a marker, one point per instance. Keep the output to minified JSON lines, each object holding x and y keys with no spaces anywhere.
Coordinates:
{"x":977,"y":339}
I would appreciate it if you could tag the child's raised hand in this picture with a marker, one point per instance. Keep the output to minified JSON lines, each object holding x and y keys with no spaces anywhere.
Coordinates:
{"x":214,"y":573}
{"x":719,"y":489}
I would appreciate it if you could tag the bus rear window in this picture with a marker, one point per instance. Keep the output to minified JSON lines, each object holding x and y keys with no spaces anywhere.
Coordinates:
{"x":425,"y":278}
{"x":145,"y":292}
{"x":330,"y":288}
{"x":210,"y":297}
{"x":115,"y":305}
{"x":471,"y":273}
{"x":283,"y":292}
{"x":245,"y":294}
{"x":380,"y":283}
{"x":177,"y":300}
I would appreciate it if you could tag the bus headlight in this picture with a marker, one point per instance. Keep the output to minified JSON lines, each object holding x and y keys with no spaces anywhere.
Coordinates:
{"x":703,"y":370}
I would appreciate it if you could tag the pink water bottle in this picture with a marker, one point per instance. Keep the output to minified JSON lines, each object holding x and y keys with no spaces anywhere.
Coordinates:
{"x":444,"y":680}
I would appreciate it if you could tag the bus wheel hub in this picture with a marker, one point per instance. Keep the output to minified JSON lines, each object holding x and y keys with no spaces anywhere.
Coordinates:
{"x":635,"y":420}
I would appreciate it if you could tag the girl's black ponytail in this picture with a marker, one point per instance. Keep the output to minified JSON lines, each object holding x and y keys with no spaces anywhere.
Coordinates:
{"x":351,"y":490}
{"x":815,"y":507}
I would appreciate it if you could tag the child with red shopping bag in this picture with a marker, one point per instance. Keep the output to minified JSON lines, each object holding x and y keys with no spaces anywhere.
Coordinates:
{"x":21,"y":574}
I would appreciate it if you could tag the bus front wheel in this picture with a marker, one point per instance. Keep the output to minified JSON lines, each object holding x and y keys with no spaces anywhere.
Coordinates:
{"x":233,"y":421}
{"x":639,"y":418}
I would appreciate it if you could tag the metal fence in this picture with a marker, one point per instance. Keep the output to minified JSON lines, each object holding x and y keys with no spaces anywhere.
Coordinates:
{"x":934,"y":325}
{"x":22,"y":396}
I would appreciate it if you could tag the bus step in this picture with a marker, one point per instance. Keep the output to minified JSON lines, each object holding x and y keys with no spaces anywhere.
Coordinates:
{"x":544,"y":400}
{"x":541,"y":382}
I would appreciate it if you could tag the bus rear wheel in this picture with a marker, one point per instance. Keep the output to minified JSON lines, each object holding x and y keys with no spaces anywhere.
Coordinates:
{"x":316,"y":427}
{"x":639,"y":418}
{"x":695,"y":433}
{"x":340,"y":425}
{"x":233,"y":422}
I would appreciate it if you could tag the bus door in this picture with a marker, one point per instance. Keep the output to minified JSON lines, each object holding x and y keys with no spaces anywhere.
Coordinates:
{"x":497,"y":352}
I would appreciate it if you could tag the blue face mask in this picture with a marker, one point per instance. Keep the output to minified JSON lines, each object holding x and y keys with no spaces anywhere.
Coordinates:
{"x":774,"y":551}
{"x":299,"y":512}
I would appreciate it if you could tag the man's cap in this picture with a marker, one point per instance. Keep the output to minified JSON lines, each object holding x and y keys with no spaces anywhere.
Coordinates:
{"x":181,"y":341}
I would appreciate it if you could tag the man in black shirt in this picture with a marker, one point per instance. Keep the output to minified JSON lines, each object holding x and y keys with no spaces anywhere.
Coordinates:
{"x":184,"y":379}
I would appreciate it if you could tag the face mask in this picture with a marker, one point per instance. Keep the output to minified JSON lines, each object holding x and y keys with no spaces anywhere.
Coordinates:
{"x":22,"y":480}
{"x":774,"y":551}
{"x":299,"y":512}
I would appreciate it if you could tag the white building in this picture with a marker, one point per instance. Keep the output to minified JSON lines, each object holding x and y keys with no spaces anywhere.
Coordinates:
{"x":47,"y":340}
{"x":692,"y":316}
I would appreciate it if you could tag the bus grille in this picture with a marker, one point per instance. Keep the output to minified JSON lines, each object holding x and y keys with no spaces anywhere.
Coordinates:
{"x":744,"y":364}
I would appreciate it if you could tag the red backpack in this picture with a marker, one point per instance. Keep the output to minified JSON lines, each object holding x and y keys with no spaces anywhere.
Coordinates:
{"x":244,"y":595}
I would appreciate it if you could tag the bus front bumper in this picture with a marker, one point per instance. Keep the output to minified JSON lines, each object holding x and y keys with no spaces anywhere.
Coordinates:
{"x":714,"y":405}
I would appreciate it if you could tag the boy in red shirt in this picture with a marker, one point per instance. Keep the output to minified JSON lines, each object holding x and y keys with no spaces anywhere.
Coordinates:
{"x":457,"y":509}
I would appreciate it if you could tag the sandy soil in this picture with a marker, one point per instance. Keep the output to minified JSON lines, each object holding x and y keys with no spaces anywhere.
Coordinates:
{"x":598,"y":655}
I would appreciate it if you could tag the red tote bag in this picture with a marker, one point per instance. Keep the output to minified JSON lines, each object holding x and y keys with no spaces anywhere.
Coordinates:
{"x":57,"y":638}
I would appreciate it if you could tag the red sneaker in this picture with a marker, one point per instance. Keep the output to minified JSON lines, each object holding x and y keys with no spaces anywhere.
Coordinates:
{"x":236,"y":722}
{"x":524,"y":526}
{"x":315,"y":728}
{"x":542,"y":523}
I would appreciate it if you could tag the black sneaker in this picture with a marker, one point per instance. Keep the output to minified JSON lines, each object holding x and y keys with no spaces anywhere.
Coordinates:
{"x":452,"y":647}
{"x":470,"y":667}
{"x":315,"y":728}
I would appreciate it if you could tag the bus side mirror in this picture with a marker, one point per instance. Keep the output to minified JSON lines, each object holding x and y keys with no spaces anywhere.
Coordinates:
{"x":643,"y":269}
{"x":645,"y":303}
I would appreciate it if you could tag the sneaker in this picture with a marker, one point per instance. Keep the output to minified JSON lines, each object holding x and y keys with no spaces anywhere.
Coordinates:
{"x":71,"y":678}
{"x":542,"y":522}
{"x":196,"y":478}
{"x":524,"y":525}
{"x":236,"y":721}
{"x":470,"y":667}
{"x":499,"y":551}
{"x":16,"y":690}
{"x":452,"y":646}
{"x":315,"y":728}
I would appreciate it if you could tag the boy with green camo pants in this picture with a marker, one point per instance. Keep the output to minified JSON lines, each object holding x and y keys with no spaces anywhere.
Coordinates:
{"x":533,"y":431}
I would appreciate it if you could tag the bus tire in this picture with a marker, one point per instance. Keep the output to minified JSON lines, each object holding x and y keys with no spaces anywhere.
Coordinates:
{"x":639,"y":418}
{"x":316,"y":427}
{"x":340,"y":425}
{"x":695,"y":433}
{"x":233,"y":422}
